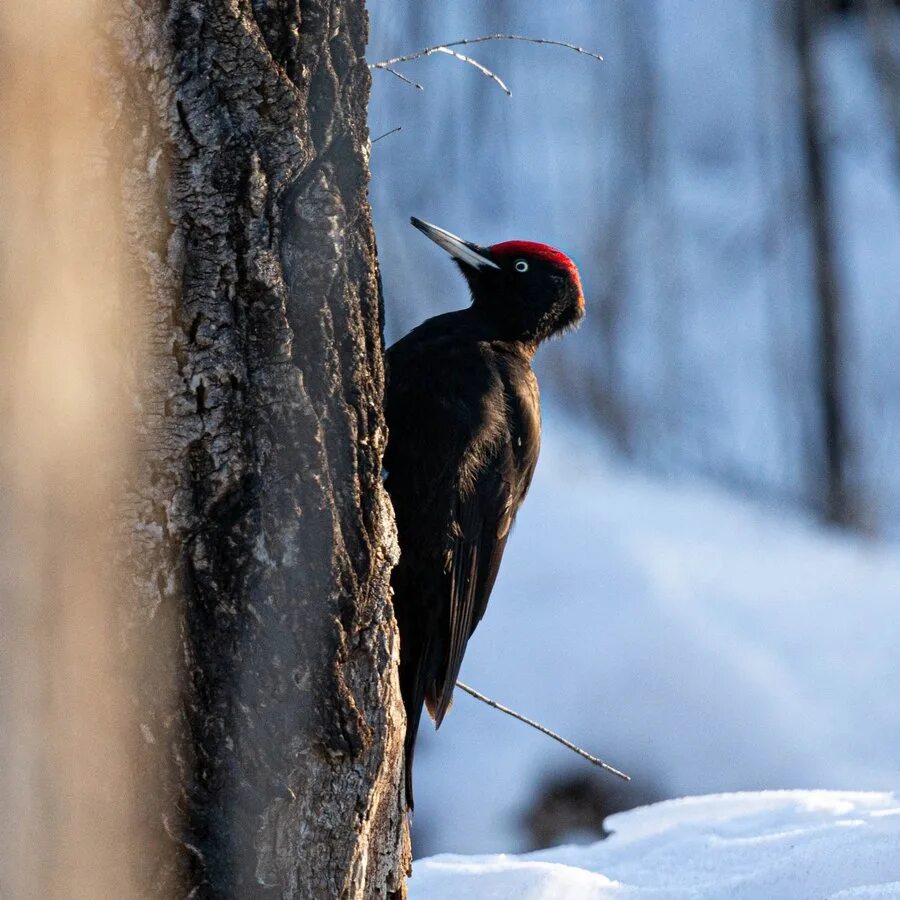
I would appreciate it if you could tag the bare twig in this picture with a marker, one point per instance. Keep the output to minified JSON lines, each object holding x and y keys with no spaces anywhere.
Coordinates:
{"x":543,"y":730}
{"x":388,"y":64}
{"x":387,"y":134}
{"x":409,"y":57}
{"x":385,"y":67}
{"x":472,"y":62}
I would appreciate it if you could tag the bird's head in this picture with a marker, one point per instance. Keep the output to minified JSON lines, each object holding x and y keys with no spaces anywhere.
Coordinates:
{"x":528,"y":291}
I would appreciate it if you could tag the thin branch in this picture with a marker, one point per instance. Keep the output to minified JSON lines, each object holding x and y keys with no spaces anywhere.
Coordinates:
{"x":472,"y":62}
{"x":387,"y":134}
{"x":385,"y":67}
{"x":409,"y":57}
{"x":388,"y":64}
{"x":543,"y":730}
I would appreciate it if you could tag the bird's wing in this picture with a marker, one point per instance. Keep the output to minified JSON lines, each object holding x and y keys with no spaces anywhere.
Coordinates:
{"x":455,"y":484}
{"x":483,"y":513}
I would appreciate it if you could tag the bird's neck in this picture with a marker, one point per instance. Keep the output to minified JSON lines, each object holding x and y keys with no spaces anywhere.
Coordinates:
{"x":495,"y":329}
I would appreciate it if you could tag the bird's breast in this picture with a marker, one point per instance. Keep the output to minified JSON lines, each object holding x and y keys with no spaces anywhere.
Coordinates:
{"x":523,"y":409}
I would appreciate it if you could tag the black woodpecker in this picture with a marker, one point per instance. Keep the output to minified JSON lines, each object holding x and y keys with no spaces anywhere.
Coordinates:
{"x":464,"y":431}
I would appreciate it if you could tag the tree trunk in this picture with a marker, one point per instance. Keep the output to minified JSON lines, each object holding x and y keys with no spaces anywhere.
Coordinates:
{"x":881,"y":19}
{"x":839,"y":504}
{"x":262,"y":540}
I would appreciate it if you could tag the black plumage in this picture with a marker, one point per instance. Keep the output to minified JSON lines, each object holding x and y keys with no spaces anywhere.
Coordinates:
{"x":463,"y":415}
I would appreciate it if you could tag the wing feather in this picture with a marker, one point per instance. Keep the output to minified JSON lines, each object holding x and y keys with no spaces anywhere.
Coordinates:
{"x":482,"y":517}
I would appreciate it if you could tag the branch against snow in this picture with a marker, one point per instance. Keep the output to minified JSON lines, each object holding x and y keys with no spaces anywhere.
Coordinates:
{"x":594,"y":760}
{"x":388,"y":64}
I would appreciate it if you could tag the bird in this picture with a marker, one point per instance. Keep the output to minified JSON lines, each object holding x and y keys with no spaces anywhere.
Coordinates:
{"x":463,"y":418}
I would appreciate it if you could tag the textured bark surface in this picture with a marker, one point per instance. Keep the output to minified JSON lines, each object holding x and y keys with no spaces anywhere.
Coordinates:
{"x":262,"y":537}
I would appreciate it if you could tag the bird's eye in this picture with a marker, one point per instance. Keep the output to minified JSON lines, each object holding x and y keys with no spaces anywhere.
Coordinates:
{"x":521,"y":265}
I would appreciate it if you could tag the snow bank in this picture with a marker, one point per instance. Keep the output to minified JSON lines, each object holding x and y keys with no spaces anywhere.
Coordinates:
{"x":788,"y":845}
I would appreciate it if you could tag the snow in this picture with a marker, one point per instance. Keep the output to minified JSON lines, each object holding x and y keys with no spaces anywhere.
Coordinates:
{"x":790,"y":845}
{"x":699,"y":641}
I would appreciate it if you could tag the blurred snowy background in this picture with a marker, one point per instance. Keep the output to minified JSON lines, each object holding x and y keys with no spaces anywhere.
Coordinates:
{"x":704,"y":583}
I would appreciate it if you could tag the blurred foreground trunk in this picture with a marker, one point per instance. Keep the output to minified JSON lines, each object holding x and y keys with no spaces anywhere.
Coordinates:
{"x":207,"y":704}
{"x":69,"y":826}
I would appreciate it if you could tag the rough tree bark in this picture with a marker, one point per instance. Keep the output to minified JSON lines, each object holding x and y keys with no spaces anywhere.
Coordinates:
{"x":262,"y":539}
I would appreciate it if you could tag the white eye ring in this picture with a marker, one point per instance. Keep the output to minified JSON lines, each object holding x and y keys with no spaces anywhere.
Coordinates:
{"x":521,"y":265}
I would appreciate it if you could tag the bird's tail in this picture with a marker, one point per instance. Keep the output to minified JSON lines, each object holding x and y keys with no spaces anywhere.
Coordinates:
{"x":412,"y":688}
{"x":412,"y":726}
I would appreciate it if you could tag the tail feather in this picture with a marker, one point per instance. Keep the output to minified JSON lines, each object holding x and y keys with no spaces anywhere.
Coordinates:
{"x":438,"y":705}
{"x":412,"y":726}
{"x":412,"y":688}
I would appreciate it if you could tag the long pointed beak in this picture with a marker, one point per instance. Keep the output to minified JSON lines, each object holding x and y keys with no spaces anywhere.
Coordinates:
{"x":471,"y":254}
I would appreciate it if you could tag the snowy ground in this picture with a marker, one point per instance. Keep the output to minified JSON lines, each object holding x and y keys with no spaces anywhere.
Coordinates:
{"x":701,"y":642}
{"x":777,"y":845}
